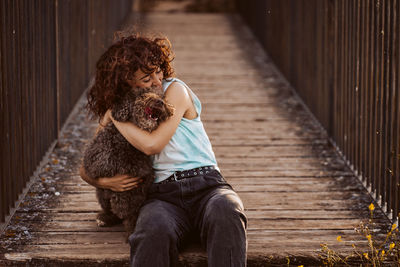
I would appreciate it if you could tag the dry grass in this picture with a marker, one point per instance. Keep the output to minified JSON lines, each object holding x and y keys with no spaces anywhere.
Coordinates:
{"x":379,"y":253}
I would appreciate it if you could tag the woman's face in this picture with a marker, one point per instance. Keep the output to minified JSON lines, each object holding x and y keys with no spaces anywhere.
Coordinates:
{"x":148,"y":80}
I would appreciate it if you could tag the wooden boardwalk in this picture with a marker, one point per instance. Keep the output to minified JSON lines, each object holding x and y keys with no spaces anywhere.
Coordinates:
{"x":297,"y":191}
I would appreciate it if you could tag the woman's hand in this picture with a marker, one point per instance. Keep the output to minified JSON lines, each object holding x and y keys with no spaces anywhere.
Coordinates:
{"x":119,"y":183}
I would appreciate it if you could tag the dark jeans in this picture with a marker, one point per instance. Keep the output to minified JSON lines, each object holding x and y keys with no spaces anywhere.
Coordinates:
{"x":203,"y":204}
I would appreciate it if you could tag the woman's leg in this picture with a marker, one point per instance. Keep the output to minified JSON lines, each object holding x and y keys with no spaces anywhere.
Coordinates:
{"x":160,"y":228}
{"x":222,"y":227}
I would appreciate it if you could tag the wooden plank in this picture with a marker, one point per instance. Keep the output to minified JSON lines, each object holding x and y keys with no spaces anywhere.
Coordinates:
{"x":289,"y":163}
{"x":265,"y":185}
{"x":121,"y":251}
{"x":274,"y":117}
{"x":274,"y":151}
{"x":325,"y":182}
{"x":251,"y":196}
{"x":243,"y":139}
{"x":257,"y":213}
{"x":253,"y":224}
{"x":265,"y":125}
{"x":286,"y":166}
{"x":255,"y":173}
{"x":305,"y":237}
{"x":295,"y":187}
{"x":277,"y":205}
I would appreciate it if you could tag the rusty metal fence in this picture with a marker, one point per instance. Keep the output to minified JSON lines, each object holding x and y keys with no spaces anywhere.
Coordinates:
{"x":48,"y":50}
{"x":343,"y":57}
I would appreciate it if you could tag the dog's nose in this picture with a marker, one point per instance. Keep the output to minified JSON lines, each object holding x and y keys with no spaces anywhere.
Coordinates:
{"x":159,"y":103}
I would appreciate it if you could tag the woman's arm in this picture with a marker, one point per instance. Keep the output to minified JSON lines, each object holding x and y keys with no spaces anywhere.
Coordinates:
{"x":154,"y":142}
{"x":87,"y":179}
{"x":117,"y":183}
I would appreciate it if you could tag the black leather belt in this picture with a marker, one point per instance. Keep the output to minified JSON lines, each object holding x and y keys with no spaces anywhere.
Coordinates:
{"x":186,"y":174}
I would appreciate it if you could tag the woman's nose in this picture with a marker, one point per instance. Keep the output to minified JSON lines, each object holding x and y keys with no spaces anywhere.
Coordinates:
{"x":156,"y":80}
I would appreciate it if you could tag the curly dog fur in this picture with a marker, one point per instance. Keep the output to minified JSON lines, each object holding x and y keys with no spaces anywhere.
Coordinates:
{"x":109,"y":154}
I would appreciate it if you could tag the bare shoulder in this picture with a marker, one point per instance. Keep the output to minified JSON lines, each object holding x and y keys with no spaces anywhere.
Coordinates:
{"x":177,"y":92}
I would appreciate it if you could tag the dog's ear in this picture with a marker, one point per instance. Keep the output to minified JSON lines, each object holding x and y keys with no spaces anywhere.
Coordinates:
{"x":122,"y":110}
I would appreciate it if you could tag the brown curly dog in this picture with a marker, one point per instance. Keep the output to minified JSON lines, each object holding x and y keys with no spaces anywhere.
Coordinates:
{"x":109,"y":154}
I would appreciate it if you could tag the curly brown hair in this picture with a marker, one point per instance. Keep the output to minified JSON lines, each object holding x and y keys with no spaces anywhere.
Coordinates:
{"x":116,"y":67}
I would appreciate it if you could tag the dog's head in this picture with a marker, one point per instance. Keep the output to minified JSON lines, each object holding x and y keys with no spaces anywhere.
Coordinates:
{"x":145,"y":107}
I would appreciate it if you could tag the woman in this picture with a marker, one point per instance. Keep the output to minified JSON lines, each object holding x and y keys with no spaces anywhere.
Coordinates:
{"x":189,"y":194}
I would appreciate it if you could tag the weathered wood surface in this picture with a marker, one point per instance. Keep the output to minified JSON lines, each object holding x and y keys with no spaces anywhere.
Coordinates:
{"x":297,"y":191}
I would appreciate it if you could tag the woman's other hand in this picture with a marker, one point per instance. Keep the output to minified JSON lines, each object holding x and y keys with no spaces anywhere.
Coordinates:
{"x":119,"y":183}
{"x":107,"y":118}
{"x":104,"y":121}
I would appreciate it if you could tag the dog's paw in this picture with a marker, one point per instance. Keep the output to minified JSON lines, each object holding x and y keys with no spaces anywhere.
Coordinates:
{"x":107,"y":219}
{"x":100,"y":223}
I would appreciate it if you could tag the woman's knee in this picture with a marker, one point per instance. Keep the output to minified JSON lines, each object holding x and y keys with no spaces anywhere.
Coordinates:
{"x":224,"y":208}
{"x":154,"y":226}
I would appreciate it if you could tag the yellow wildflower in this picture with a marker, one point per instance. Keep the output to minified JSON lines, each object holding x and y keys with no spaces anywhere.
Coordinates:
{"x":382,"y":252}
{"x":366,"y":255}
{"x":394,"y":226}
{"x":339,"y":238}
{"x":391,"y":246}
{"x":301,"y":266}
{"x":369,"y":237}
{"x":371,"y":207}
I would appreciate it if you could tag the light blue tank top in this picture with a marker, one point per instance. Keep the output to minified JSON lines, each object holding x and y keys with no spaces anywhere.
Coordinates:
{"x":188,"y":148}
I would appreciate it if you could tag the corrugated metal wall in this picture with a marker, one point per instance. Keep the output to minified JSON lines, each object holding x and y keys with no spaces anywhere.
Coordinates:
{"x":342,"y":57}
{"x":47,"y":52}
